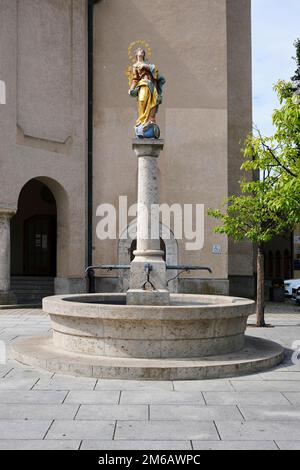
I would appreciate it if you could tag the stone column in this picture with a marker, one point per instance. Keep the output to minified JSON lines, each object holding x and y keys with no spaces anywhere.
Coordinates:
{"x":148,"y":262}
{"x":6,"y":296}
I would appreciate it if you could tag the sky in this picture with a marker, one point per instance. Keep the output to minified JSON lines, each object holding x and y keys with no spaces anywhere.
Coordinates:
{"x":275,"y":26}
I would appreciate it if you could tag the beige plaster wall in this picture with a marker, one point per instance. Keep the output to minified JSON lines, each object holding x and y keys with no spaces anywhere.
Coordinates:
{"x":43,"y":125}
{"x":191,"y":43}
{"x":240,"y":255}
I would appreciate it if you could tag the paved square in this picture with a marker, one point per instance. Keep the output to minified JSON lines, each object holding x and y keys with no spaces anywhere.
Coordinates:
{"x":42,"y":410}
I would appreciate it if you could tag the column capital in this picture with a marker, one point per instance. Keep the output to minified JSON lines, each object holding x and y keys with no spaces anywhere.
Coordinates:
{"x":7,"y":212}
{"x":147,"y":147}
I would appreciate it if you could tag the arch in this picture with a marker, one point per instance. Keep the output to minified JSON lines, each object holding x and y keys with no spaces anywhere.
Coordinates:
{"x":39,"y":199}
{"x":124,"y":250}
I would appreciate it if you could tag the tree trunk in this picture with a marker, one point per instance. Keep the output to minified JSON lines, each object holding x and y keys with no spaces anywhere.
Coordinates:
{"x":260,"y":296}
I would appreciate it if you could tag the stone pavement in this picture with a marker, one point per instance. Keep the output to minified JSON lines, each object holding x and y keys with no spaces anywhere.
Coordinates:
{"x":40,"y":410}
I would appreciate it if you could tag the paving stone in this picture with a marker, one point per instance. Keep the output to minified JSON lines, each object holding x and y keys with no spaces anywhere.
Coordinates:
{"x":13,"y":383}
{"x":38,"y":412}
{"x":18,"y":373}
{"x":165,"y":430}
{"x":81,"y":430}
{"x":38,"y":445}
{"x":90,"y":397}
{"x":194,"y":412}
{"x":288,"y":445}
{"x":133,"y":385}
{"x":17,"y":429}
{"x":8,"y":337}
{"x":268,"y":386}
{"x":66,"y":383}
{"x":281,"y":375}
{"x":257,"y":377}
{"x":161,"y":396}
{"x":250,"y":398}
{"x":4,"y":369}
{"x":110,"y":412}
{"x":203,"y":385}
{"x":31,"y":396}
{"x":234,"y":445}
{"x":277,"y":413}
{"x":293,"y":397}
{"x":257,"y":430}
{"x":136,"y":445}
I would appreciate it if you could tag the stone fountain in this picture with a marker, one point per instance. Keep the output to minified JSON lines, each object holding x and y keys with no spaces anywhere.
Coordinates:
{"x":148,"y":333}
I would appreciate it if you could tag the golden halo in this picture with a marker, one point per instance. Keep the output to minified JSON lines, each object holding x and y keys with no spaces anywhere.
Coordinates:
{"x":135,"y":45}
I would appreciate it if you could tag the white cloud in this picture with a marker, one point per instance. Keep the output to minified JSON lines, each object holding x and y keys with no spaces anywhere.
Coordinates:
{"x":275,"y":26}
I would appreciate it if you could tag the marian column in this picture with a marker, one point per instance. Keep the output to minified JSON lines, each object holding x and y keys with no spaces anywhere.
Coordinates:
{"x":148,"y":280}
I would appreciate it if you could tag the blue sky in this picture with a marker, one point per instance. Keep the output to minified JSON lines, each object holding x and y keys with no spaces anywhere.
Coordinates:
{"x":275,"y":26}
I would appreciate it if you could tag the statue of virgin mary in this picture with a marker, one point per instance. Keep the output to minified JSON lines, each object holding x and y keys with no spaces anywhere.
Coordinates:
{"x":146,"y":85}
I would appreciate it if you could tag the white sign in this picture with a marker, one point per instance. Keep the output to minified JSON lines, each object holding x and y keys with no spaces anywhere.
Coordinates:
{"x":216,"y":249}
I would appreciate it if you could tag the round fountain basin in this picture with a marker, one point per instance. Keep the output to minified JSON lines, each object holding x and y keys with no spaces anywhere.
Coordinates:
{"x":192,"y":326}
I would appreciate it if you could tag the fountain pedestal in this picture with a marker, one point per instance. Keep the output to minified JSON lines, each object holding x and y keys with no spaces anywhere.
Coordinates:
{"x":148,"y":279}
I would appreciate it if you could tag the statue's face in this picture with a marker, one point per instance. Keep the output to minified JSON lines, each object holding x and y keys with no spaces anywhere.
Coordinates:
{"x":140,"y":54}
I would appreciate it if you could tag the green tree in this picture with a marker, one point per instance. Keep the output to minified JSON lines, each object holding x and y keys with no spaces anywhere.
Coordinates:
{"x":277,"y":157}
{"x":279,"y":154}
{"x":249,"y":217}
{"x":270,"y":204}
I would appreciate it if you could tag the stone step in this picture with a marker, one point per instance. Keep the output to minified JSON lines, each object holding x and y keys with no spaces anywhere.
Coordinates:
{"x":26,"y":289}
{"x":30,"y":280}
{"x":32,"y":289}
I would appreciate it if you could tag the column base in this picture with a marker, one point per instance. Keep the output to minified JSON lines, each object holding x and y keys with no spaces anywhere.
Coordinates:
{"x":8,"y":298}
{"x":147,"y":297}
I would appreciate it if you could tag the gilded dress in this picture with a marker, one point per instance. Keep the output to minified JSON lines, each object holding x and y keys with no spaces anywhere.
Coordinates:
{"x":146,"y":85}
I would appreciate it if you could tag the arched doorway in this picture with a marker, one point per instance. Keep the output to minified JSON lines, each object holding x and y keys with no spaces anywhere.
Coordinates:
{"x":33,"y":243}
{"x":33,"y":232}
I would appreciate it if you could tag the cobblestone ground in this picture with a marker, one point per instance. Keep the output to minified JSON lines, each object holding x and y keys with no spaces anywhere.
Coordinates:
{"x":40,"y":410}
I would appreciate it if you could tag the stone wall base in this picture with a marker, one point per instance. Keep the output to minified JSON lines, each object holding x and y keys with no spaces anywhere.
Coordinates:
{"x":7,"y":298}
{"x":70,"y":285}
{"x":203,"y":286}
{"x":242,"y":286}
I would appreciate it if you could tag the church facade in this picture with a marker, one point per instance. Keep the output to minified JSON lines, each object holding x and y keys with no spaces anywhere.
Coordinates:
{"x":67,"y":124}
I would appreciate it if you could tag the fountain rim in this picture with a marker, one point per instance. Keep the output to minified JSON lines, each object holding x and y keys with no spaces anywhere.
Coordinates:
{"x":229,"y":307}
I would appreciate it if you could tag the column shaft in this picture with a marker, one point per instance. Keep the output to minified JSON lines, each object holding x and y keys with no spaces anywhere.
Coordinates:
{"x":147,"y":197}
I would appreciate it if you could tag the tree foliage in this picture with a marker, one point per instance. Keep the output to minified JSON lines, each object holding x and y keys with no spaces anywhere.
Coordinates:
{"x":268,"y":204}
